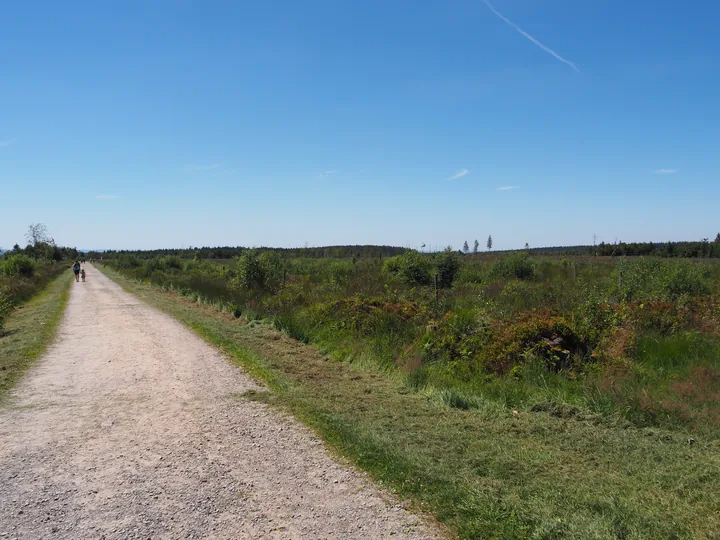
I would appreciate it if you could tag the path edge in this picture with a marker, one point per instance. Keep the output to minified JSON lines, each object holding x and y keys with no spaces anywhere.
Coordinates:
{"x":249,"y":361}
{"x":43,"y":337}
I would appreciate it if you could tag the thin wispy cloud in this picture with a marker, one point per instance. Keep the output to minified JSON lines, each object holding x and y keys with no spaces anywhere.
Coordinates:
{"x":459,"y":174}
{"x":326,"y":174}
{"x":528,"y":36}
{"x":507,"y":188}
{"x":202,"y":168}
{"x":108,"y":196}
{"x":665,"y":171}
{"x":6,"y":142}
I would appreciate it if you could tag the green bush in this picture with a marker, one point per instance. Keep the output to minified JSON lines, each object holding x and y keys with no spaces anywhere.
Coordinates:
{"x":472,"y":274}
{"x":634,"y":280}
{"x":19,"y":266}
{"x":412,"y":267}
{"x":448,"y":267}
{"x":170,"y":263}
{"x":459,"y":336}
{"x":250,"y":273}
{"x":151,"y":266}
{"x":654,"y":279}
{"x":341,"y":271}
{"x":517,"y":295}
{"x":273,"y":267}
{"x":595,"y":319}
{"x":126,"y":261}
{"x":685,"y":279}
{"x":392,"y":265}
{"x":517,"y":265}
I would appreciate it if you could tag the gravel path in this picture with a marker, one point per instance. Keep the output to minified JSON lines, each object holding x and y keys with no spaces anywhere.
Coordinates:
{"x":129,"y":427}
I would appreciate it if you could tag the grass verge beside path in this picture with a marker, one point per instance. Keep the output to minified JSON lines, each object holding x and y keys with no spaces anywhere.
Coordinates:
{"x":30,"y":329}
{"x":486,"y":473}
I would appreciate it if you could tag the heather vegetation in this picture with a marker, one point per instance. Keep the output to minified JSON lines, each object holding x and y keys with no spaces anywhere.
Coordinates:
{"x":627,"y":338}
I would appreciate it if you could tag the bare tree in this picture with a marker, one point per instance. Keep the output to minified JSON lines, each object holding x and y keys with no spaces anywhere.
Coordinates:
{"x":466,"y":248}
{"x":476,"y":245}
{"x":37,"y":234}
{"x":489,"y":242}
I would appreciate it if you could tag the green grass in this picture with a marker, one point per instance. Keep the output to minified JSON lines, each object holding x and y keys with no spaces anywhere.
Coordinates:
{"x":479,"y":467}
{"x":29,"y":330}
{"x":674,"y":380}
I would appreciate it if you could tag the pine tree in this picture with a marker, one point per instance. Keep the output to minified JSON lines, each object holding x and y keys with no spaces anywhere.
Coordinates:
{"x":466,"y":248}
{"x":476,"y":245}
{"x":489,"y":242}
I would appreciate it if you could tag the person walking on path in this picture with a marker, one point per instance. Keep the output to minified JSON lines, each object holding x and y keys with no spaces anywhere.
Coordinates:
{"x":76,"y":269}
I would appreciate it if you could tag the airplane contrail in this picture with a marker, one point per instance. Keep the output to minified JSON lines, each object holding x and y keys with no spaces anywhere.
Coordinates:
{"x":535,"y":41}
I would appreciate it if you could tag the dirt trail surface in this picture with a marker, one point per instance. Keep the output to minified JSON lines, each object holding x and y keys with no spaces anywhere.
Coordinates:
{"x":131,"y":427}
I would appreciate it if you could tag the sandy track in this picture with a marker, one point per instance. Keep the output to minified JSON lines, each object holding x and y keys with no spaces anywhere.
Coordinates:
{"x":129,"y":428}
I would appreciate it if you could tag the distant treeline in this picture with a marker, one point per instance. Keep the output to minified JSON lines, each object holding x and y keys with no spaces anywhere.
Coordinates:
{"x":702,"y":249}
{"x":337,"y":252}
{"x":45,"y":251}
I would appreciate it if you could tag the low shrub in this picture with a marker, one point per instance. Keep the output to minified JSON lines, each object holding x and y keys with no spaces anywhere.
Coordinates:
{"x":272,"y":268}
{"x":125,"y":261}
{"x":655,"y":279}
{"x":518,"y":295}
{"x":341,"y":271}
{"x":687,"y":279}
{"x":458,"y":336}
{"x":517,"y":265}
{"x":170,"y":263}
{"x":595,"y":318}
{"x":537,"y":333}
{"x":448,"y":267}
{"x":472,"y":274}
{"x":19,"y":265}
{"x":250,"y":273}
{"x":412,"y":267}
{"x":365,"y":316}
{"x":6,"y":305}
{"x":16,"y":286}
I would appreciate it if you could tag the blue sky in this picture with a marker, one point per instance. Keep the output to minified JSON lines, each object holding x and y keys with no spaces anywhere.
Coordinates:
{"x":169,"y":123}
